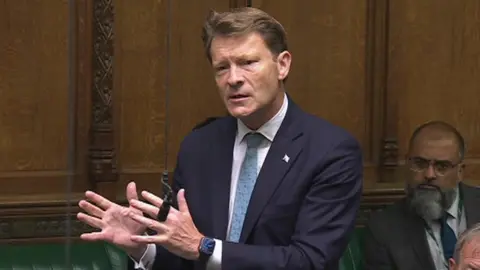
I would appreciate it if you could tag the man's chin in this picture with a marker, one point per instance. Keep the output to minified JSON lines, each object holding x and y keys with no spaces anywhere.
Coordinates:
{"x":240,"y":113}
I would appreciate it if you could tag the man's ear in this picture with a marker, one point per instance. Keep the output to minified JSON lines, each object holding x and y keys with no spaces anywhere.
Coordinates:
{"x":284,"y":60}
{"x":451,"y":264}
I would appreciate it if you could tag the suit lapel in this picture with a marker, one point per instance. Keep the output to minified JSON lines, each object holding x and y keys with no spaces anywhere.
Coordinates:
{"x":418,"y":240}
{"x":220,"y":178}
{"x":283,"y":152}
{"x":471,"y":199}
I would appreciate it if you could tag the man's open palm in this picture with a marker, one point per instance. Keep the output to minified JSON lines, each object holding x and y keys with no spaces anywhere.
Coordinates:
{"x":113,"y":220}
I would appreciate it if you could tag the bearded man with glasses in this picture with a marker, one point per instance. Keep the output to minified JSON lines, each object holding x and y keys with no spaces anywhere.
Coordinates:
{"x":420,"y":231}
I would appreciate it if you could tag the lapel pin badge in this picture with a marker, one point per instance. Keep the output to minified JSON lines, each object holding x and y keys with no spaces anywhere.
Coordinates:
{"x":286,"y":158}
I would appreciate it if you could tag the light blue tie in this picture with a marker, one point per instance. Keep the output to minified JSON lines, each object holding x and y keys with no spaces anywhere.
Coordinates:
{"x":245,"y":184}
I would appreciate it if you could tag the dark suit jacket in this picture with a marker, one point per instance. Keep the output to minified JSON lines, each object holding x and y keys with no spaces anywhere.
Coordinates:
{"x":395,"y":237}
{"x":301,"y":212}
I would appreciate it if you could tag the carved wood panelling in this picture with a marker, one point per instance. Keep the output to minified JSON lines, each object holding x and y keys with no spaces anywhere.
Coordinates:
{"x":36,"y":141}
{"x":338,"y":66}
{"x":377,"y":68}
{"x":433,"y":71}
{"x":31,"y":227}
{"x":102,"y":150}
{"x":143,"y":116}
{"x":34,"y":100}
{"x":139,"y":80}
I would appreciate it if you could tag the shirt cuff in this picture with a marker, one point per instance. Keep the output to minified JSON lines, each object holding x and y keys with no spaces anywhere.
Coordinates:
{"x":215,"y":261}
{"x":146,"y":262}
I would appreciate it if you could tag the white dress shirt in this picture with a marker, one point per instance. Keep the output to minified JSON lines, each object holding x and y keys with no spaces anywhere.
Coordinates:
{"x":269,"y":130}
{"x":435,"y":241}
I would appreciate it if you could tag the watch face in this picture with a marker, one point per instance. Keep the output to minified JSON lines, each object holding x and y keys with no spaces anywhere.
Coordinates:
{"x":208,"y":245}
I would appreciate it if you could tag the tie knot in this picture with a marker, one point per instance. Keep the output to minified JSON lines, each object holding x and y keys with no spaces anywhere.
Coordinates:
{"x":254,"y":139}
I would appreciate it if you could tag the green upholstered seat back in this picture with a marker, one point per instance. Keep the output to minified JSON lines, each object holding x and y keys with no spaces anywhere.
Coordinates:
{"x":51,"y":256}
{"x":352,"y":259}
{"x":102,"y":256}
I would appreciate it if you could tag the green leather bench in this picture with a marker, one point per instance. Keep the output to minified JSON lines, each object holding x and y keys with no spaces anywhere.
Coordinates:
{"x":352,"y":258}
{"x":51,"y":256}
{"x":102,"y":256}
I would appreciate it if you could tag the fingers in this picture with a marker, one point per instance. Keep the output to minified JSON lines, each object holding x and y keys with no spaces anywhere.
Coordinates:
{"x":102,"y":202}
{"x":91,"y":209}
{"x":145,"y":208}
{"x":92,"y":221}
{"x":132,"y":191}
{"x":182,"y":202}
{"x":155,"y":201}
{"x":148,"y":239}
{"x":150,"y":223}
{"x":152,"y":198}
{"x":95,"y":236}
{"x":474,"y":265}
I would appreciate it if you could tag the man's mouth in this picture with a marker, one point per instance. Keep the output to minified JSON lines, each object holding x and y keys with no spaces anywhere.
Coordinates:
{"x":238,"y":97}
{"x":428,"y":187}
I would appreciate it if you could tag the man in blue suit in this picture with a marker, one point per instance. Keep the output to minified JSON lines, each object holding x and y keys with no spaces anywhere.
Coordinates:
{"x":268,"y":187}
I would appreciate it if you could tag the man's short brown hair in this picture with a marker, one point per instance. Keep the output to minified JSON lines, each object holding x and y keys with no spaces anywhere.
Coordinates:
{"x":241,"y":21}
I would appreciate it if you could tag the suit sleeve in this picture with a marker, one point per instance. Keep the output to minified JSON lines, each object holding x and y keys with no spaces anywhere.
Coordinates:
{"x":325,"y":221}
{"x":376,"y":254}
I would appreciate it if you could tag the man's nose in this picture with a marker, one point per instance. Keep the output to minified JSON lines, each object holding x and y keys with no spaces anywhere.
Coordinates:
{"x":235,"y":78}
{"x":430,"y":172}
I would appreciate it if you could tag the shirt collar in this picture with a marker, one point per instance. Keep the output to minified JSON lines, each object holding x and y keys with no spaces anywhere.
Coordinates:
{"x":270,"y":128}
{"x":453,"y":210}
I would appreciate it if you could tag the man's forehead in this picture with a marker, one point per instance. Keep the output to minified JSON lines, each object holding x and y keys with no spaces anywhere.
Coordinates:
{"x":434,"y":139}
{"x":241,"y":45}
{"x":440,"y":149}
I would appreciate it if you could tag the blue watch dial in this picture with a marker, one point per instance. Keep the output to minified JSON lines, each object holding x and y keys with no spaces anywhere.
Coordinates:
{"x":207,"y":246}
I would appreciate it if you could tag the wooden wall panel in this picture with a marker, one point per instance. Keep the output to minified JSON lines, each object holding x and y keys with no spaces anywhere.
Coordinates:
{"x":329,"y":75}
{"x":378,"y":68}
{"x":38,"y":154}
{"x":327,"y":41}
{"x":144,"y":87}
{"x":434,"y":70}
{"x":193,"y":94}
{"x":139,"y":79}
{"x":34,"y":90}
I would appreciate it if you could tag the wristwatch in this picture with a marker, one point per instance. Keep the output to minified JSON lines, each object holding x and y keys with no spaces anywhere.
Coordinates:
{"x":206,"y":248}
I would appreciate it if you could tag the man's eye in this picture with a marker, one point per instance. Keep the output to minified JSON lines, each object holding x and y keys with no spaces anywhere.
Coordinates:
{"x":248,"y":62}
{"x":220,"y":69}
{"x":420,"y":163}
{"x":442,"y":166}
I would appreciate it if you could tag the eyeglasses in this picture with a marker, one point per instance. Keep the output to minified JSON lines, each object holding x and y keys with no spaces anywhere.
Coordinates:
{"x":441,"y":167}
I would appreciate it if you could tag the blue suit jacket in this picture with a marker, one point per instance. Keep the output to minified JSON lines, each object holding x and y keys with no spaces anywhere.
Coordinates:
{"x":301,"y":213}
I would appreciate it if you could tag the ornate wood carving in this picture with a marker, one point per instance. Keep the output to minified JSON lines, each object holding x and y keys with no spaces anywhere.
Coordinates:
{"x":41,"y":221}
{"x":390,"y":153}
{"x":102,"y":153}
{"x":39,"y":227}
{"x":47,"y":222}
